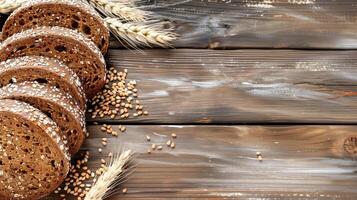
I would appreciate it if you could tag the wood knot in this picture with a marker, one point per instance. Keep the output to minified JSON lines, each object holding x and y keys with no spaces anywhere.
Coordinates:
{"x":350,"y":146}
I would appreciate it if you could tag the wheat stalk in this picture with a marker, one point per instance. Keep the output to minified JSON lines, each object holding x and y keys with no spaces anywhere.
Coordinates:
{"x":105,"y":184}
{"x":138,"y":34}
{"x":7,"y":6}
{"x":124,"y":9}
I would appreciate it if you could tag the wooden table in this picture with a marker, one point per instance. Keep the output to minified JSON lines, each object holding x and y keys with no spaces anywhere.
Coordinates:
{"x":246,"y":76}
{"x":277,"y":76}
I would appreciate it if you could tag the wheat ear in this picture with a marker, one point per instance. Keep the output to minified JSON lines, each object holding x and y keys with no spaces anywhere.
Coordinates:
{"x":113,"y":176}
{"x":124,"y":10}
{"x":7,"y":6}
{"x":139,"y":34}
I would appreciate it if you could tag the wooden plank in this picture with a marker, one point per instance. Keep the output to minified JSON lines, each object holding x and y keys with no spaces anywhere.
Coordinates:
{"x":186,"y":86}
{"x":235,"y":24}
{"x":219,"y":162}
{"x":260,"y":23}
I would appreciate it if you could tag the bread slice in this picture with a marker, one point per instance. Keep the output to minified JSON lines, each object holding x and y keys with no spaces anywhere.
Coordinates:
{"x":43,"y":70}
{"x":56,"y":104}
{"x":72,"y":14}
{"x":76,"y":51}
{"x":33,"y":157}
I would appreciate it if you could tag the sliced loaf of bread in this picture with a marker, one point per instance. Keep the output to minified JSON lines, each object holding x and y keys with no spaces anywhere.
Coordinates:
{"x":72,"y":48}
{"x":33,"y":157}
{"x":72,"y":14}
{"x":43,"y":70}
{"x":56,"y":104}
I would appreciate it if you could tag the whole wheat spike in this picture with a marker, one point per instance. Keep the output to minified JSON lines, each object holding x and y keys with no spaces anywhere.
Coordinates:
{"x":106,"y":183}
{"x":139,"y":34}
{"x":7,"y":6}
{"x":124,"y":9}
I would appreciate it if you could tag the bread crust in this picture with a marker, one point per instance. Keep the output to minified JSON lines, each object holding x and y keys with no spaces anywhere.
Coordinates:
{"x":59,"y":106}
{"x":43,"y":69}
{"x":41,"y":161}
{"x":72,"y":14}
{"x":72,"y":48}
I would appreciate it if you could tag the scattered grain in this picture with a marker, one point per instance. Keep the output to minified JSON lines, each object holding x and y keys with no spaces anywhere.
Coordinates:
{"x":168,"y":143}
{"x":153,"y":146}
{"x":117,"y":99}
{"x":173,"y":135}
{"x":259,"y":156}
{"x":74,"y":183}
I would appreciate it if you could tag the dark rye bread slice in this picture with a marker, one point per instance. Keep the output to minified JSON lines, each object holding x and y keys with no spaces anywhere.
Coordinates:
{"x":72,"y":14}
{"x":56,"y":104}
{"x":33,"y":157}
{"x":76,"y":51}
{"x":43,"y":70}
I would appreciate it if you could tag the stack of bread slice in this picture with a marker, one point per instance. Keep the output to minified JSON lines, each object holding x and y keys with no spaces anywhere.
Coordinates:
{"x":51,"y":62}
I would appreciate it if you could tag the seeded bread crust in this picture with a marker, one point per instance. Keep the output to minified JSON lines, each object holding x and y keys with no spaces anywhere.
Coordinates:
{"x":34,"y":158}
{"x":56,"y":104}
{"x":72,"y":14}
{"x":78,"y":52}
{"x":43,"y":69}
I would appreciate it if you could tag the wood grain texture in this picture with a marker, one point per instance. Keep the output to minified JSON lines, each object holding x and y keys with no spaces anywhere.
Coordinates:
{"x":219,"y":162}
{"x":242,"y":86}
{"x":260,"y":23}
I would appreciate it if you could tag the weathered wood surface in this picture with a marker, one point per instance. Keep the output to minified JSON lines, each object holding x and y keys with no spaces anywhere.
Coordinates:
{"x":219,"y":162}
{"x":186,"y":86}
{"x":260,"y":23}
{"x":242,"y":86}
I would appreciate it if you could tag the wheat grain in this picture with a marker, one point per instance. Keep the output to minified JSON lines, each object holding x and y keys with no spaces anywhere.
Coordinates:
{"x":7,"y":6}
{"x":124,"y":10}
{"x":113,"y":175}
{"x":139,"y":34}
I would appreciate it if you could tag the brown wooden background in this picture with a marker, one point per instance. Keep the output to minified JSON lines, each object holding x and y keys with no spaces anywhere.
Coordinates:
{"x":275,"y":76}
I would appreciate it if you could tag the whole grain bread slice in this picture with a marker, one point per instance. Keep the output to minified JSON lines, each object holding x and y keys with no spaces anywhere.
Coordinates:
{"x":56,"y":104}
{"x":72,"y":14}
{"x":33,"y":156}
{"x":43,"y":70}
{"x":72,"y":48}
